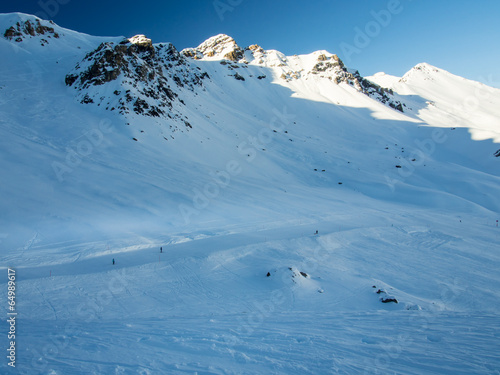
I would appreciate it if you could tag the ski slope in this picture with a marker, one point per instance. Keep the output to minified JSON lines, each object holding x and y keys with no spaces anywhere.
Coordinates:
{"x":405,"y":204}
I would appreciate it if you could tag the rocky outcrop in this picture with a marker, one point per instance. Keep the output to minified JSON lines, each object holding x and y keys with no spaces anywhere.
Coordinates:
{"x":147,"y":77}
{"x":382,"y":94}
{"x":255,"y":48}
{"x":219,"y":46}
{"x":333,"y":68}
{"x":22,"y":30}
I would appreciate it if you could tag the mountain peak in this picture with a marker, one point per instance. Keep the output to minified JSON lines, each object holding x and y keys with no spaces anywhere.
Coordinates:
{"x":217,"y":40}
{"x":141,"y":40}
{"x":420,"y":70}
{"x":216,"y":47}
{"x":425,"y":67}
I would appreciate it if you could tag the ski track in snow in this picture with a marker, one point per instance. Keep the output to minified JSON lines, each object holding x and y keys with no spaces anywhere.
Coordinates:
{"x":206,"y":309}
{"x":243,"y":285}
{"x":288,"y":343}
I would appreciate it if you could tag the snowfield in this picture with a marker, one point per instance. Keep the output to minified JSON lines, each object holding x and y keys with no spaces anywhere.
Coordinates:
{"x":307,"y":225}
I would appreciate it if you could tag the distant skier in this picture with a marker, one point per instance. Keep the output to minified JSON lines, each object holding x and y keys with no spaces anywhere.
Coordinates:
{"x":316,"y":232}
{"x":113,"y":261}
{"x":161,"y":249}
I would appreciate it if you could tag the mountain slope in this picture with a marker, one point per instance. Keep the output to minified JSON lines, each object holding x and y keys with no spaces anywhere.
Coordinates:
{"x":230,"y":159}
{"x":326,"y":118}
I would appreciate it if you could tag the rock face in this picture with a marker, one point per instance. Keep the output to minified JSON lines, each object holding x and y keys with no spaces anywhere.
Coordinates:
{"x":379,"y":93}
{"x":147,"y":77}
{"x":334,"y":69}
{"x":21,"y":31}
{"x":218,"y":46}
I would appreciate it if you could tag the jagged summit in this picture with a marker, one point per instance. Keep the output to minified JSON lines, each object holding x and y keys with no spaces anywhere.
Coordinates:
{"x":216,"y":47}
{"x":141,"y":40}
{"x":133,"y":75}
{"x":275,"y":185}
{"x":141,"y":77}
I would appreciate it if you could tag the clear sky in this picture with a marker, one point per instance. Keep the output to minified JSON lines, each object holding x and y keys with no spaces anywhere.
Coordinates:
{"x":461,"y":36}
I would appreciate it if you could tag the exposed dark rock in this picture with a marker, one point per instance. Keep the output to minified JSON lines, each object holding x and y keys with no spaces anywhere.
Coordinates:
{"x":146,"y":70}
{"x":333,"y":68}
{"x":30,"y":29}
{"x":255,"y":48}
{"x":304,"y":274}
{"x":216,"y":46}
{"x":87,"y":99}
{"x":268,"y":274}
{"x":396,"y":106}
{"x":379,"y":93}
{"x":70,"y":79}
{"x":388,"y":300}
{"x":239,"y":77}
{"x":234,"y":55}
{"x":497,"y":154}
{"x":11,"y":33}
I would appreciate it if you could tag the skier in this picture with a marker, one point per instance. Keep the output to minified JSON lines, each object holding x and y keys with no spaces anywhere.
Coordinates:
{"x":316,"y":232}
{"x":113,"y":261}
{"x":161,"y":249}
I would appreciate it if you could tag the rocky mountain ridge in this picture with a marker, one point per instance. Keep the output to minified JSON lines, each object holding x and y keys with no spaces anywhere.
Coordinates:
{"x":136,"y":77}
{"x":143,"y":76}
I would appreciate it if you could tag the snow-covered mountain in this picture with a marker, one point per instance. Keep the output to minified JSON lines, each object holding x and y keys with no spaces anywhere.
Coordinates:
{"x":231,"y":158}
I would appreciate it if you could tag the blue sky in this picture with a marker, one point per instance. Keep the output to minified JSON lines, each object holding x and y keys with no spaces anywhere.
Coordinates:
{"x":460,"y":36}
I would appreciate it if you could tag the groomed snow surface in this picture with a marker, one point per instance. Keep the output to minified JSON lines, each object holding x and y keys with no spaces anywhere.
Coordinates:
{"x":206,"y":306}
{"x":405,"y":206}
